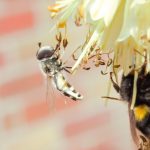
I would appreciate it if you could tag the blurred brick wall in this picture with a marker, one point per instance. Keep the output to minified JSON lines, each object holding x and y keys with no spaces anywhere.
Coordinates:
{"x":27,"y":120}
{"x":19,"y":25}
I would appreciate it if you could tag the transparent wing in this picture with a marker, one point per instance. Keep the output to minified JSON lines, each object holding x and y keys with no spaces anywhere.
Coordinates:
{"x":50,"y":95}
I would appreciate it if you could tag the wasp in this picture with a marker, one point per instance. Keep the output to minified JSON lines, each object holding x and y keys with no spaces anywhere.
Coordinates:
{"x":140,"y":115}
{"x":52,"y":66}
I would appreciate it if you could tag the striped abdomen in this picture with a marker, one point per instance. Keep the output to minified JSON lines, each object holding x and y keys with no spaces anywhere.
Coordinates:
{"x":63,"y":86}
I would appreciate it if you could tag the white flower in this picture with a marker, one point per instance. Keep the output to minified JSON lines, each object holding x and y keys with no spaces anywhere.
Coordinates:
{"x":119,"y":25}
{"x":104,"y":9}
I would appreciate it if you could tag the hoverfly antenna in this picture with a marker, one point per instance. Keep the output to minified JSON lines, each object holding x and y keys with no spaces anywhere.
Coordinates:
{"x":39,"y":44}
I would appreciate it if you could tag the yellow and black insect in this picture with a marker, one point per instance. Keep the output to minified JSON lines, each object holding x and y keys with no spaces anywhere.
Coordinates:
{"x":140,"y":115}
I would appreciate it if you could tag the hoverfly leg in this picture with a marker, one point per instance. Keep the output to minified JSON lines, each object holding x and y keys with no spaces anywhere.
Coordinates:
{"x":57,"y":47}
{"x":66,"y":69}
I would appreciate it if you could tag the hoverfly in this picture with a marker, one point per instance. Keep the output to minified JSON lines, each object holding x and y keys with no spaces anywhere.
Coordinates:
{"x":52,"y":66}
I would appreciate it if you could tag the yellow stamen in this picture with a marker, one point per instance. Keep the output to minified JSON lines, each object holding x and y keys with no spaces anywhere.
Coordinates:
{"x":81,"y":11}
{"x":55,"y":8}
{"x":61,"y":24}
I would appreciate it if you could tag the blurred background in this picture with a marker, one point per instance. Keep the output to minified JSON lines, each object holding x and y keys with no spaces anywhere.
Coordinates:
{"x":29,"y":120}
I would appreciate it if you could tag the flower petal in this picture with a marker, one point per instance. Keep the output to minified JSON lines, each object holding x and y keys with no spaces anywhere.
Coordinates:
{"x":104,"y":9}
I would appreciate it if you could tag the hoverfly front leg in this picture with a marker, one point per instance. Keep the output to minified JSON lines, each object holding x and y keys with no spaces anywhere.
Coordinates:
{"x":66,"y":68}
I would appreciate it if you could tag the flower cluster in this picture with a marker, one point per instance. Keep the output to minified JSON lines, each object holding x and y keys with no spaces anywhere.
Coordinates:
{"x":121,"y":26}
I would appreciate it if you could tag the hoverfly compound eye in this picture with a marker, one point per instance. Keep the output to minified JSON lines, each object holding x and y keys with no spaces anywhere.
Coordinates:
{"x":45,"y":52}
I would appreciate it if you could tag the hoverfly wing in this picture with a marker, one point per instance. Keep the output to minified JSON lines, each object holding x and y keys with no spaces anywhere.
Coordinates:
{"x":50,"y":95}
{"x":63,"y":86}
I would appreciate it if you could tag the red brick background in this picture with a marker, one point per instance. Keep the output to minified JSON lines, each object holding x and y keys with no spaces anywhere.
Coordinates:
{"x":29,"y":121}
